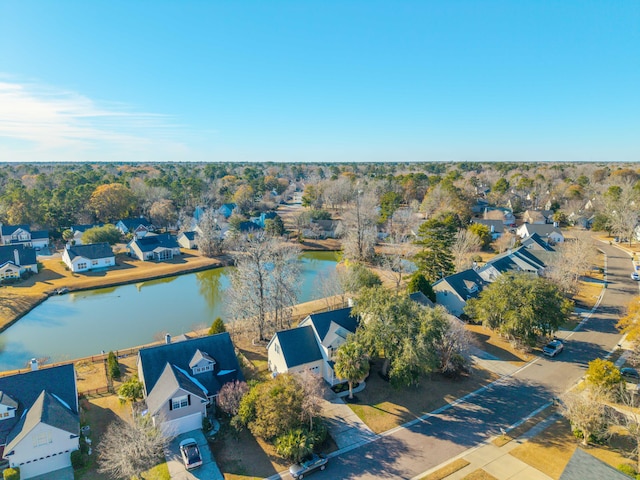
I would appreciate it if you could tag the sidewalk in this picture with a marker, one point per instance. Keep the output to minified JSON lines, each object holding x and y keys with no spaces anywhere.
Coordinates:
{"x":496,"y":461}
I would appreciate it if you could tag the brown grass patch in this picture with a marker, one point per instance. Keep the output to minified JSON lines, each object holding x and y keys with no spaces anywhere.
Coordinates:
{"x":383,"y":407}
{"x":550,"y":451}
{"x":447,"y":470}
{"x":497,"y":346}
{"x":480,"y":474}
{"x":522,"y":429}
{"x":588,"y":294}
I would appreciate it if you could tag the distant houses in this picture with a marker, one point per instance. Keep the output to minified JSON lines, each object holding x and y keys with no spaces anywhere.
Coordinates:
{"x":138,"y":227}
{"x":22,"y":235}
{"x":84,"y":258}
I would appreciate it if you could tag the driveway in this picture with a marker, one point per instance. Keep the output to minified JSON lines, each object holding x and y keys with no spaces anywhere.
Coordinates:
{"x":209,"y":470}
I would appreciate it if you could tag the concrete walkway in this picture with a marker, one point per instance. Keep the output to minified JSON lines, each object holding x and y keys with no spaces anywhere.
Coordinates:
{"x":345,"y":427}
{"x":497,"y":461}
{"x":493,"y":364}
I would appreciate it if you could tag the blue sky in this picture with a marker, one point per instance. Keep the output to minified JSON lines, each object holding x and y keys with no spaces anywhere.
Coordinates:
{"x":323,"y":80}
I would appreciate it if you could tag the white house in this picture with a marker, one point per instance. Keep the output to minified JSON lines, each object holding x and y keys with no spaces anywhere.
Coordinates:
{"x":154,"y":247}
{"x":137,"y":226}
{"x":83,"y":258}
{"x":188,"y":240}
{"x":16,"y":260}
{"x":39,"y":422}
{"x":22,"y":234}
{"x":312,"y":345}
{"x":181,"y":379}
{"x":549,"y":233}
{"x":78,"y":231}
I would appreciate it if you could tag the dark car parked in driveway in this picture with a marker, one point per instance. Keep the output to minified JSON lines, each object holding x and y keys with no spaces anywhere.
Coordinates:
{"x":630,"y":373}
{"x":316,"y":462}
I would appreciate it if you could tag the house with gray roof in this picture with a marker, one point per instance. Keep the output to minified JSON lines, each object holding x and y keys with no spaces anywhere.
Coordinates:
{"x":549,"y":233}
{"x":22,"y":234}
{"x":39,"y":422}
{"x":16,"y":260}
{"x":496,"y":227}
{"x":136,"y":226}
{"x":312,"y":345}
{"x":536,"y":242}
{"x":84,"y":258}
{"x":584,"y":466}
{"x":188,"y":239}
{"x":155,"y":248}
{"x":181,"y":379}
{"x":519,"y":260}
{"x":452,"y":292}
{"x":78,"y":231}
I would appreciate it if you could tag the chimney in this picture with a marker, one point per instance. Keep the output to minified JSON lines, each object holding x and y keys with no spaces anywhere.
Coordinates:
{"x":34,"y":364}
{"x":167,"y":339}
{"x":16,"y":256}
{"x":493,"y":228}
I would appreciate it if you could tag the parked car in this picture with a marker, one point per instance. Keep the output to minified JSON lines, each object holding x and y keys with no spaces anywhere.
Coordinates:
{"x":190,"y":453}
{"x":630,"y":373}
{"x":315,"y":462}
{"x":553,"y":348}
{"x":635,"y":276}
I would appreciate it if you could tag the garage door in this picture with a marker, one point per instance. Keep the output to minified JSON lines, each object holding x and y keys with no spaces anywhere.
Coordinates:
{"x":184,"y":424}
{"x":38,"y":467}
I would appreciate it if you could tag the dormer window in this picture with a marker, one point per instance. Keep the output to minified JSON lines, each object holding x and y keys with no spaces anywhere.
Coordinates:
{"x":471,"y":286}
{"x":201,"y":362}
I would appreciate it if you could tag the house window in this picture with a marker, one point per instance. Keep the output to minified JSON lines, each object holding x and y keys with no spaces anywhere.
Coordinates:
{"x":82,"y":266}
{"x":179,"y":402}
{"x":43,"y":438}
{"x":5,"y":414}
{"x":94,"y":262}
{"x":276,"y":347}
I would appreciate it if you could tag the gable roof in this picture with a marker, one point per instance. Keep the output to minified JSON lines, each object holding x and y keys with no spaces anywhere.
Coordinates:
{"x":200,"y":356}
{"x":583,"y":466}
{"x":135,"y":222}
{"x":7,"y":401}
{"x":10,"y":229}
{"x":422,"y":299}
{"x":544,"y":230}
{"x":498,"y":225}
{"x":26,"y":255}
{"x":322,"y":321}
{"x":535,"y":242}
{"x":189,"y":235}
{"x":25,"y":388}
{"x":92,"y":251}
{"x":172,"y":379}
{"x":248,"y":226}
{"x":298,"y":345}
{"x":149,"y":243}
{"x":154,"y":360}
{"x":461,"y":281}
{"x":48,"y":409}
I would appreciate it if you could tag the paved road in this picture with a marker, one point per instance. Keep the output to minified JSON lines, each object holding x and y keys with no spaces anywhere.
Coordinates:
{"x":407,"y":452}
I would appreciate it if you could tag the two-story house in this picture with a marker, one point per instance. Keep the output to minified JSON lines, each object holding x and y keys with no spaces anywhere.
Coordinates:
{"x":22,"y":234}
{"x":16,"y":260}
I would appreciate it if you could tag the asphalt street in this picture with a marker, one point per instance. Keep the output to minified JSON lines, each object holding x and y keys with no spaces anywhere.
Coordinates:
{"x":406,"y":452}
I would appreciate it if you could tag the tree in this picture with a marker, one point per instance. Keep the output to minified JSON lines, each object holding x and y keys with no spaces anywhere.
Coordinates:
{"x":11,"y":473}
{"x":360,"y":228}
{"x":113,"y":366}
{"x":521,"y":307}
{"x":107,"y":233}
{"x":356,"y":276}
{"x":452,"y":343}
{"x":209,"y":237}
{"x":501,"y":186}
{"x":217,"y":327}
{"x":625,"y":414}
{"x":400,"y":331}
{"x":351,"y":364}
{"x":574,"y":259}
{"x":389,"y":203}
{"x":163,"y":213}
{"x":436,"y":238}
{"x":630,"y":325}
{"x":230,"y":396}
{"x":131,"y":389}
{"x":67,"y":235}
{"x":295,"y":445}
{"x":603,"y":376}
{"x":128,"y":449}
{"x":112,"y":202}
{"x":274,"y":226}
{"x":244,"y":198}
{"x":465,"y":245}
{"x":585,"y":412}
{"x":418,"y":283}
{"x":483,"y":233}
{"x":311,"y":386}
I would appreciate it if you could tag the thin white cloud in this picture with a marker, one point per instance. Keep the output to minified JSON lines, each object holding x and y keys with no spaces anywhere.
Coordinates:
{"x":59,"y":123}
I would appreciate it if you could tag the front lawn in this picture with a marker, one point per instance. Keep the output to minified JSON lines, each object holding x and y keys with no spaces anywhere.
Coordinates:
{"x":383,"y":407}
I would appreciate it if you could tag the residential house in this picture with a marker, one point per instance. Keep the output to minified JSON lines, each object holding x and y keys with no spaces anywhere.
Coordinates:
{"x":16,"y":260}
{"x":22,"y":234}
{"x":504,"y":214}
{"x":138,"y":226}
{"x":243,"y":228}
{"x":535,"y":242}
{"x":513,"y":261}
{"x":580,"y":220}
{"x":84,"y":258}
{"x":312,"y":344}
{"x":188,"y":240}
{"x":496,"y":227}
{"x":582,"y":465}
{"x":78,"y":232}
{"x":264,"y":216}
{"x":39,"y":422}
{"x":452,"y":292}
{"x":155,"y":248}
{"x":296,"y":197}
{"x":227,"y":209}
{"x":181,"y":380}
{"x":534,"y":217}
{"x":549,"y":233}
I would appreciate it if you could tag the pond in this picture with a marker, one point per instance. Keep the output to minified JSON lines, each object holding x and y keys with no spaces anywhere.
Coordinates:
{"x":85,"y":323}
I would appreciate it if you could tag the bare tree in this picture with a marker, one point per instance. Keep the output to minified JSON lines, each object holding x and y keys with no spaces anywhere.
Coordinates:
{"x":622,"y":210}
{"x":453,"y":346}
{"x":574,"y":259}
{"x":163,"y":213}
{"x":210,"y":241}
{"x":230,"y":395}
{"x":359,"y":228}
{"x":505,"y":242}
{"x":284,"y":283}
{"x":332,"y":290}
{"x":128,"y":449}
{"x":625,"y":414}
{"x":311,"y":385}
{"x":585,"y":411}
{"x":466,"y":244}
{"x":394,"y":262}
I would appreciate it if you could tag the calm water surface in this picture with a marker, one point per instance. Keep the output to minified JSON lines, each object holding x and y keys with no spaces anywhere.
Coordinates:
{"x":85,"y":323}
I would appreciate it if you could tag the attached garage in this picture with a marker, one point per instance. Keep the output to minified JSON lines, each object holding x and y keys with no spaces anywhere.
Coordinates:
{"x":45,"y":465}
{"x":183,"y":424}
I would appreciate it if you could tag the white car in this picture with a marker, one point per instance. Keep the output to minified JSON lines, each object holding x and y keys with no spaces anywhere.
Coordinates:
{"x":553,"y":348}
{"x":190,"y":453}
{"x":635,"y":276}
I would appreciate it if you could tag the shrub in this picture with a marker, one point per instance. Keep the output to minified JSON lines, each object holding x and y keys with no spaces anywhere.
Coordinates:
{"x":627,"y":469}
{"x":217,"y":327}
{"x":113,"y":367}
{"x":206,"y":424}
{"x":11,"y":474}
{"x":77,"y":460}
{"x":295,"y":445}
